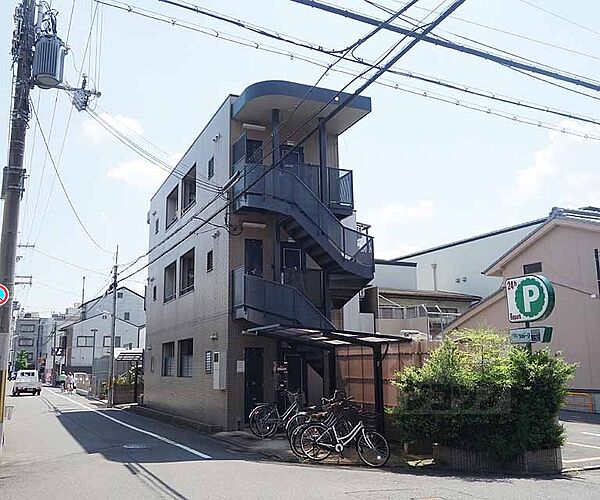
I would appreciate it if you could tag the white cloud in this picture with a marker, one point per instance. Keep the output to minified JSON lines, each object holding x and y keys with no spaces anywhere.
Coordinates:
{"x":387,"y":221}
{"x":138,"y":173}
{"x":93,"y":131}
{"x":562,"y":169}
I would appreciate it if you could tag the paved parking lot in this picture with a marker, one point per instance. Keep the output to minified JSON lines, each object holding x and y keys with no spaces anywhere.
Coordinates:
{"x":582,"y":448}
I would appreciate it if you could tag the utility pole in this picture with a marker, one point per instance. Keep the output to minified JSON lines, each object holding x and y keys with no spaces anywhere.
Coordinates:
{"x":83,"y":292}
{"x":14,"y":174}
{"x":113,"y":328}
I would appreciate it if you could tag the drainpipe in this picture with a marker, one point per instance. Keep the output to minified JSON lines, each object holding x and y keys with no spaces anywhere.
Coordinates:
{"x":434,"y":269}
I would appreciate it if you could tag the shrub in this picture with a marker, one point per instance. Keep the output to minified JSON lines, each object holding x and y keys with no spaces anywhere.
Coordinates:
{"x":476,"y":391}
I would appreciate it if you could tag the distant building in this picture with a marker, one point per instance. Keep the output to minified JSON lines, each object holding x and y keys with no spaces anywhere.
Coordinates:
{"x":456,"y":267}
{"x":26,"y":337}
{"x":565,"y":248}
{"x":88,"y":337}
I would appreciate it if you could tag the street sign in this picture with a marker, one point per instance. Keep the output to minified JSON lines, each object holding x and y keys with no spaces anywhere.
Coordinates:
{"x":532,"y":335}
{"x":4,"y":295}
{"x":58,"y":351}
{"x":529,"y":298}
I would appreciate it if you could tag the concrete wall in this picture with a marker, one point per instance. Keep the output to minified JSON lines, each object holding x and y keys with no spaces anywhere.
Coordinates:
{"x":203,"y":312}
{"x":465,"y":262}
{"x":567,"y":257}
{"x":395,"y":276}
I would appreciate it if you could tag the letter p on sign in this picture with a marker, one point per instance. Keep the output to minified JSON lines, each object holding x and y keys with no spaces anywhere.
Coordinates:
{"x":531,"y":293}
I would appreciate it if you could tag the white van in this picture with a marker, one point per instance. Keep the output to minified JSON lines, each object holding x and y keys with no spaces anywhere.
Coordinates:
{"x":27,"y":381}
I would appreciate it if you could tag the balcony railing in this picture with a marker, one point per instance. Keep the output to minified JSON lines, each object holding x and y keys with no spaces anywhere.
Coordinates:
{"x":308,"y":281}
{"x":287,"y":190}
{"x":281,"y":303}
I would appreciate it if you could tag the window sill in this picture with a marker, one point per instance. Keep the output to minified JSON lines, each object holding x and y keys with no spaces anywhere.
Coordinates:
{"x":185,"y":209}
{"x":184,"y":376}
{"x":185,"y":291}
{"x":171,"y":223}
{"x":169,"y":299}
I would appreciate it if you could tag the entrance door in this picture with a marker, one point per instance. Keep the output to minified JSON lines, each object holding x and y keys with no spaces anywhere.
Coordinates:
{"x":293,"y":262}
{"x":253,"y":378}
{"x":254,"y":257}
{"x":294,"y":157}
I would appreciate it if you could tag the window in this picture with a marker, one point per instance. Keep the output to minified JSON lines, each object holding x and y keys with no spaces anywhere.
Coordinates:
{"x":156,"y":225}
{"x":126,"y":316}
{"x":189,"y":189}
{"x":186,"y":277}
{"x":152,"y":364}
{"x":208,"y":362}
{"x":536,"y":267}
{"x":27,"y":328}
{"x":26,"y":342}
{"x":209,"y":261}
{"x":168,"y":354}
{"x":106,"y":341}
{"x":172,"y":206}
{"x":154,"y":292}
{"x":170,"y":282}
{"x":85,"y":341}
{"x":119,"y":295}
{"x":186,"y":357}
{"x":211,"y":168}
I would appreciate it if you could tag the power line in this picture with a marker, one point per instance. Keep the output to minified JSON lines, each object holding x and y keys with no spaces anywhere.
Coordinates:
{"x":394,"y":84}
{"x":516,"y":35}
{"x":101,"y":273}
{"x":436,"y":40}
{"x":563,"y":18}
{"x":63,"y":186}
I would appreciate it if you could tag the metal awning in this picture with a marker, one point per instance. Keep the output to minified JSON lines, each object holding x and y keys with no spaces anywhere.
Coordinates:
{"x":325,"y":339}
{"x":135,"y":354}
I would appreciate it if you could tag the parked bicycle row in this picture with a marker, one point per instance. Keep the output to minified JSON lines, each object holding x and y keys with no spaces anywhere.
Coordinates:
{"x":316,"y":432}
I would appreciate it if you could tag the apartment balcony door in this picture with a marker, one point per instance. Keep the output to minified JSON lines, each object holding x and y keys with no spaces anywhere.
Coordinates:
{"x":293,"y":263}
{"x":295,"y":157}
{"x":254,"y":257}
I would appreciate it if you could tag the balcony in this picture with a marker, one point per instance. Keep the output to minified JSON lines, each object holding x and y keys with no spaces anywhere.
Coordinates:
{"x":339,"y":183}
{"x":266,"y":302}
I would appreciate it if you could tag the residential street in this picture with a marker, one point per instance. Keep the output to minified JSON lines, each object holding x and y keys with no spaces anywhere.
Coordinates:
{"x":63,"y":446}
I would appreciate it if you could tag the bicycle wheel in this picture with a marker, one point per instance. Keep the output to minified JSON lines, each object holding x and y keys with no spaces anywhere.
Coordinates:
{"x":295,"y":440}
{"x":316,"y":442}
{"x":263,"y":421}
{"x":252,"y":417}
{"x":373,"y":449}
{"x":295,"y":421}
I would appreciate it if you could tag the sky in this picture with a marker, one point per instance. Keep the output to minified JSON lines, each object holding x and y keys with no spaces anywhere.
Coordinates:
{"x":425,"y":172}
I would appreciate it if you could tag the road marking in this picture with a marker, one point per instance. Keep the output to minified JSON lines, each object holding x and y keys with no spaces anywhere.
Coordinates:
{"x":592,"y":459}
{"x":591,"y":434}
{"x":143,"y":431}
{"x":584,"y":445}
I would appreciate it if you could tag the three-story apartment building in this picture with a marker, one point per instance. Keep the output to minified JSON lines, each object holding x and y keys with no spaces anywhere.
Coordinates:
{"x":282,"y":251}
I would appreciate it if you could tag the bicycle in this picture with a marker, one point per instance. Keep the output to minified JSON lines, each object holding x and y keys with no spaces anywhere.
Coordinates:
{"x":318,"y":441}
{"x":265,"y":419}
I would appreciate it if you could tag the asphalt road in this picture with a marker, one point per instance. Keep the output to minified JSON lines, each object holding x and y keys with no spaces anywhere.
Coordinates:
{"x":64,"y":447}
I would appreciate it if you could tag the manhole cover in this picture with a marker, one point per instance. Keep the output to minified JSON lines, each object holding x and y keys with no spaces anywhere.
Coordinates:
{"x":137,"y":446}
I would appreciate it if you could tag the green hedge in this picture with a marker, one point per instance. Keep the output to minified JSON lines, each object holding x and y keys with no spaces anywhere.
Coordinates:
{"x":476,"y":391}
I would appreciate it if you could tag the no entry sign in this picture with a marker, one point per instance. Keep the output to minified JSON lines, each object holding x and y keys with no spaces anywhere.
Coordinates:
{"x":529,"y":298}
{"x":4,"y":295}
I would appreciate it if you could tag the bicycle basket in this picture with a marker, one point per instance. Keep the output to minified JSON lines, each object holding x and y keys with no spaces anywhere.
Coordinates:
{"x":370,"y":419}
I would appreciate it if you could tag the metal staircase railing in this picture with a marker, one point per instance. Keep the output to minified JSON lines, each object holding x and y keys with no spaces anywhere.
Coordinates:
{"x":288,"y":194}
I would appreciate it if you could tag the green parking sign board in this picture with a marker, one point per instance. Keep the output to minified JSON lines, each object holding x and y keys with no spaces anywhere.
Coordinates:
{"x":529,"y":298}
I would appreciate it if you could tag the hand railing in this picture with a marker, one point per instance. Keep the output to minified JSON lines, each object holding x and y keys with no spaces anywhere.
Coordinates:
{"x":283,"y":184}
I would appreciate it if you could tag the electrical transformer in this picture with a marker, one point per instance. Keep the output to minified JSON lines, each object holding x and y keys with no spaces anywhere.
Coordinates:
{"x":48,"y":62}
